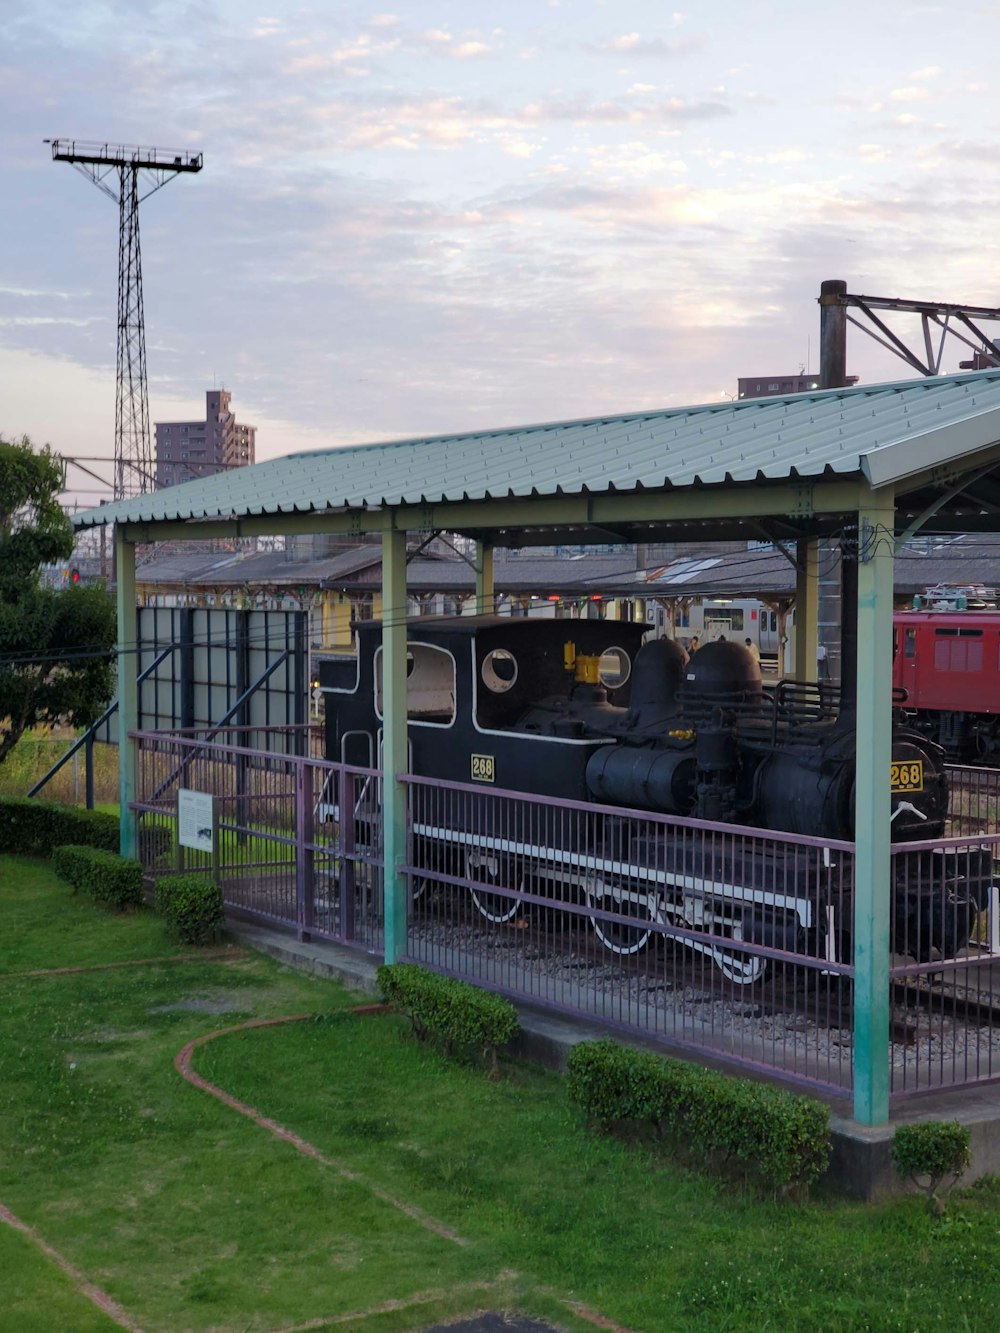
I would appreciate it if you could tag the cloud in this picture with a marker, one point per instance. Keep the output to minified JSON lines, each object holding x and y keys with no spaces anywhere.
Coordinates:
{"x":443,"y":43}
{"x":267,"y":27}
{"x":653,"y":48}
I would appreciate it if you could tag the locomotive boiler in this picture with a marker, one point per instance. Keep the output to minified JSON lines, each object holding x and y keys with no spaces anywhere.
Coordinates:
{"x":586,"y":711}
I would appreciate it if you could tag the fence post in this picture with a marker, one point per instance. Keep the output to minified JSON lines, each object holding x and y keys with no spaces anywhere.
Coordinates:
{"x":88,"y":769}
{"x":128,"y":689}
{"x":304,"y":857}
{"x":348,"y":847}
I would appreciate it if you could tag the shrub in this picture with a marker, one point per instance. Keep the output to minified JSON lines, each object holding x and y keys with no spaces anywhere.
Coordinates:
{"x":928,"y":1153}
{"x":108,"y":878}
{"x":457,"y":1013}
{"x":192,"y":904}
{"x":781,"y":1138}
{"x":32,"y":828}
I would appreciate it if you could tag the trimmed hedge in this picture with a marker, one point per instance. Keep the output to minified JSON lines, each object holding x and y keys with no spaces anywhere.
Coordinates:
{"x":452,"y":1010}
{"x":930,"y":1152}
{"x":108,"y":878}
{"x":192,"y":905}
{"x":32,"y":828}
{"x":781,"y":1138}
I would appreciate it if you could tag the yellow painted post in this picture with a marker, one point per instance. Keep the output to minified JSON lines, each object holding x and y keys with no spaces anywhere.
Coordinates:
{"x":485,"y":588}
{"x":128,"y":691}
{"x":807,"y":610}
{"x":872,"y":875}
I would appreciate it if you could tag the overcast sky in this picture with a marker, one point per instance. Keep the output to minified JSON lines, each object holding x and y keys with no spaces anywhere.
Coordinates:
{"x":452,"y":215}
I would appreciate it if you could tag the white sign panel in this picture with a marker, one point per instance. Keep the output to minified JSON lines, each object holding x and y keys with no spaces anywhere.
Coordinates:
{"x":195,"y":819}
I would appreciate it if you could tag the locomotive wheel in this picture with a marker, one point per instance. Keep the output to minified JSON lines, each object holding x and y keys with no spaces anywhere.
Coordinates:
{"x":741,"y":969}
{"x":615,"y":935}
{"x":488,"y":867}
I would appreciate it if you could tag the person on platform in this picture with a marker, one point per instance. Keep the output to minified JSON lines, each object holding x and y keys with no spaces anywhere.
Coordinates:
{"x":753,"y":650}
{"x":693,"y":645}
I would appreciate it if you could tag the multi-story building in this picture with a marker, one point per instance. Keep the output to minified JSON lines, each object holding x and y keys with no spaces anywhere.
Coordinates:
{"x":765,"y":386}
{"x":186,"y":450}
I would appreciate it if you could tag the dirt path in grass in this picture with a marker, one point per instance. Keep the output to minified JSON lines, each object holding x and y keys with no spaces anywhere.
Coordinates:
{"x":183,"y":1065}
{"x":105,"y":1303}
{"x":204,"y":956}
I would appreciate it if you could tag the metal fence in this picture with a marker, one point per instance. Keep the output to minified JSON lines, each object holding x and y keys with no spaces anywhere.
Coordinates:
{"x":735,"y":942}
{"x":945,"y":1010}
{"x":720,"y":939}
{"x":296,"y":842}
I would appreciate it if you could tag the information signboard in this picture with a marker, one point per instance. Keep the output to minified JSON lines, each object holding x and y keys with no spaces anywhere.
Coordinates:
{"x":195,"y":819}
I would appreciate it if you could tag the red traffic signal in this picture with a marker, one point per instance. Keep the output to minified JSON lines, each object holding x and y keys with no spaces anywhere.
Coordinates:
{"x":74,"y":576}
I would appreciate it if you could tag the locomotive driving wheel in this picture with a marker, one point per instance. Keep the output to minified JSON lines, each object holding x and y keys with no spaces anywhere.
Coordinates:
{"x":618,"y":936}
{"x":742,"y":969}
{"x":490,"y":867}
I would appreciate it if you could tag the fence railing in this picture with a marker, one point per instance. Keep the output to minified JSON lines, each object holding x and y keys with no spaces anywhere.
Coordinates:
{"x":727,"y":940}
{"x":945,"y":975}
{"x":736,"y":942}
{"x":296,"y":841}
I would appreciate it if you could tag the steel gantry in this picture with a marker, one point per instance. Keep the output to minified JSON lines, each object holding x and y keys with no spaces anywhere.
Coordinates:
{"x":128,"y":174}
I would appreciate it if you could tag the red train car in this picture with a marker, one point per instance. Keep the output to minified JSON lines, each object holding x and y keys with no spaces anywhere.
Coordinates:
{"x":946,"y":671}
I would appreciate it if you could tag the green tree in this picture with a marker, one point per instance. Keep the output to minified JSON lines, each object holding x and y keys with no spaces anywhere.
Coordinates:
{"x":55,"y":646}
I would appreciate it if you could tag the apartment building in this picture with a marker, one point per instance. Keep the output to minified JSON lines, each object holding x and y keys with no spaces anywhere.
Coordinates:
{"x":186,"y":450}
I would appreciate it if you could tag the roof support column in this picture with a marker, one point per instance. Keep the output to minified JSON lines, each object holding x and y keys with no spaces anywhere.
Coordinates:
{"x":395,"y":758}
{"x":128,"y":690}
{"x":806,"y":610}
{"x":873,"y":830}
{"x":485,"y":603}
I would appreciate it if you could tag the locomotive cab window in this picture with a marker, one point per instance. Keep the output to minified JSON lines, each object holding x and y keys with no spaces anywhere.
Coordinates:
{"x":499,"y":670}
{"x":910,"y":642}
{"x":430,"y":684}
{"x":615,"y":668}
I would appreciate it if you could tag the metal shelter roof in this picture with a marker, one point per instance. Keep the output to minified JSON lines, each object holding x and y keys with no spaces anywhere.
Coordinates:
{"x":907,"y":433}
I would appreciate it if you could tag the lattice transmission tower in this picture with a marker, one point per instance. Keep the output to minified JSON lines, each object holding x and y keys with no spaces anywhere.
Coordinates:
{"x":137,"y":173}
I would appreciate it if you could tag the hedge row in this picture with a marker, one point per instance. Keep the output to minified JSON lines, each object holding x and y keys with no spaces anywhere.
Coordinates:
{"x":106,"y":877}
{"x":192,"y":906}
{"x":32,"y":828}
{"x":459,"y":1014}
{"x":781,"y":1138}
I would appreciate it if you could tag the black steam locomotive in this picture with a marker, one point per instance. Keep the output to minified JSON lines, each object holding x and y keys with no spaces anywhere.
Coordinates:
{"x":585,"y":711}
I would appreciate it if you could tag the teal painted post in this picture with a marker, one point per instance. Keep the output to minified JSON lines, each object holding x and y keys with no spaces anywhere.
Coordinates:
{"x":128,"y":691}
{"x":807,"y":610}
{"x":394,"y":748}
{"x":873,"y":809}
{"x":485,"y":603}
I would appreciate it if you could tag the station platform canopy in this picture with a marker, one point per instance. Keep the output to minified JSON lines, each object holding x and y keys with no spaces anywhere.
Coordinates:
{"x":799,"y":462}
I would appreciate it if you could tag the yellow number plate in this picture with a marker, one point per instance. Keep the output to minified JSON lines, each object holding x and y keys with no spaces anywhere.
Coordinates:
{"x":908,"y":776}
{"x":483,"y":768}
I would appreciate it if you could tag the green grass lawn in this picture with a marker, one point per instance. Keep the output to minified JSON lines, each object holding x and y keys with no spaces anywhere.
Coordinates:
{"x":192,"y":1217}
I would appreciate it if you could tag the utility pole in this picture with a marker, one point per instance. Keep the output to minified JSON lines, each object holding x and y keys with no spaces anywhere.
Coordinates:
{"x":137,"y":173}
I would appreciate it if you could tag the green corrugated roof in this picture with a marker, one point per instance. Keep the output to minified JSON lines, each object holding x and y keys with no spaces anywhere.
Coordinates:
{"x":884,"y":431}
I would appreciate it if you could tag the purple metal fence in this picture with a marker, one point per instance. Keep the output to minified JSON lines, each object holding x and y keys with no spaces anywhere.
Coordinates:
{"x":297,"y":842}
{"x":946,"y":1009}
{"x":721,"y":939}
{"x":731,"y":941}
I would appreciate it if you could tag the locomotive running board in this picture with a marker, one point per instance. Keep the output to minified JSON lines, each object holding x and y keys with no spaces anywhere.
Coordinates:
{"x":557,"y":860}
